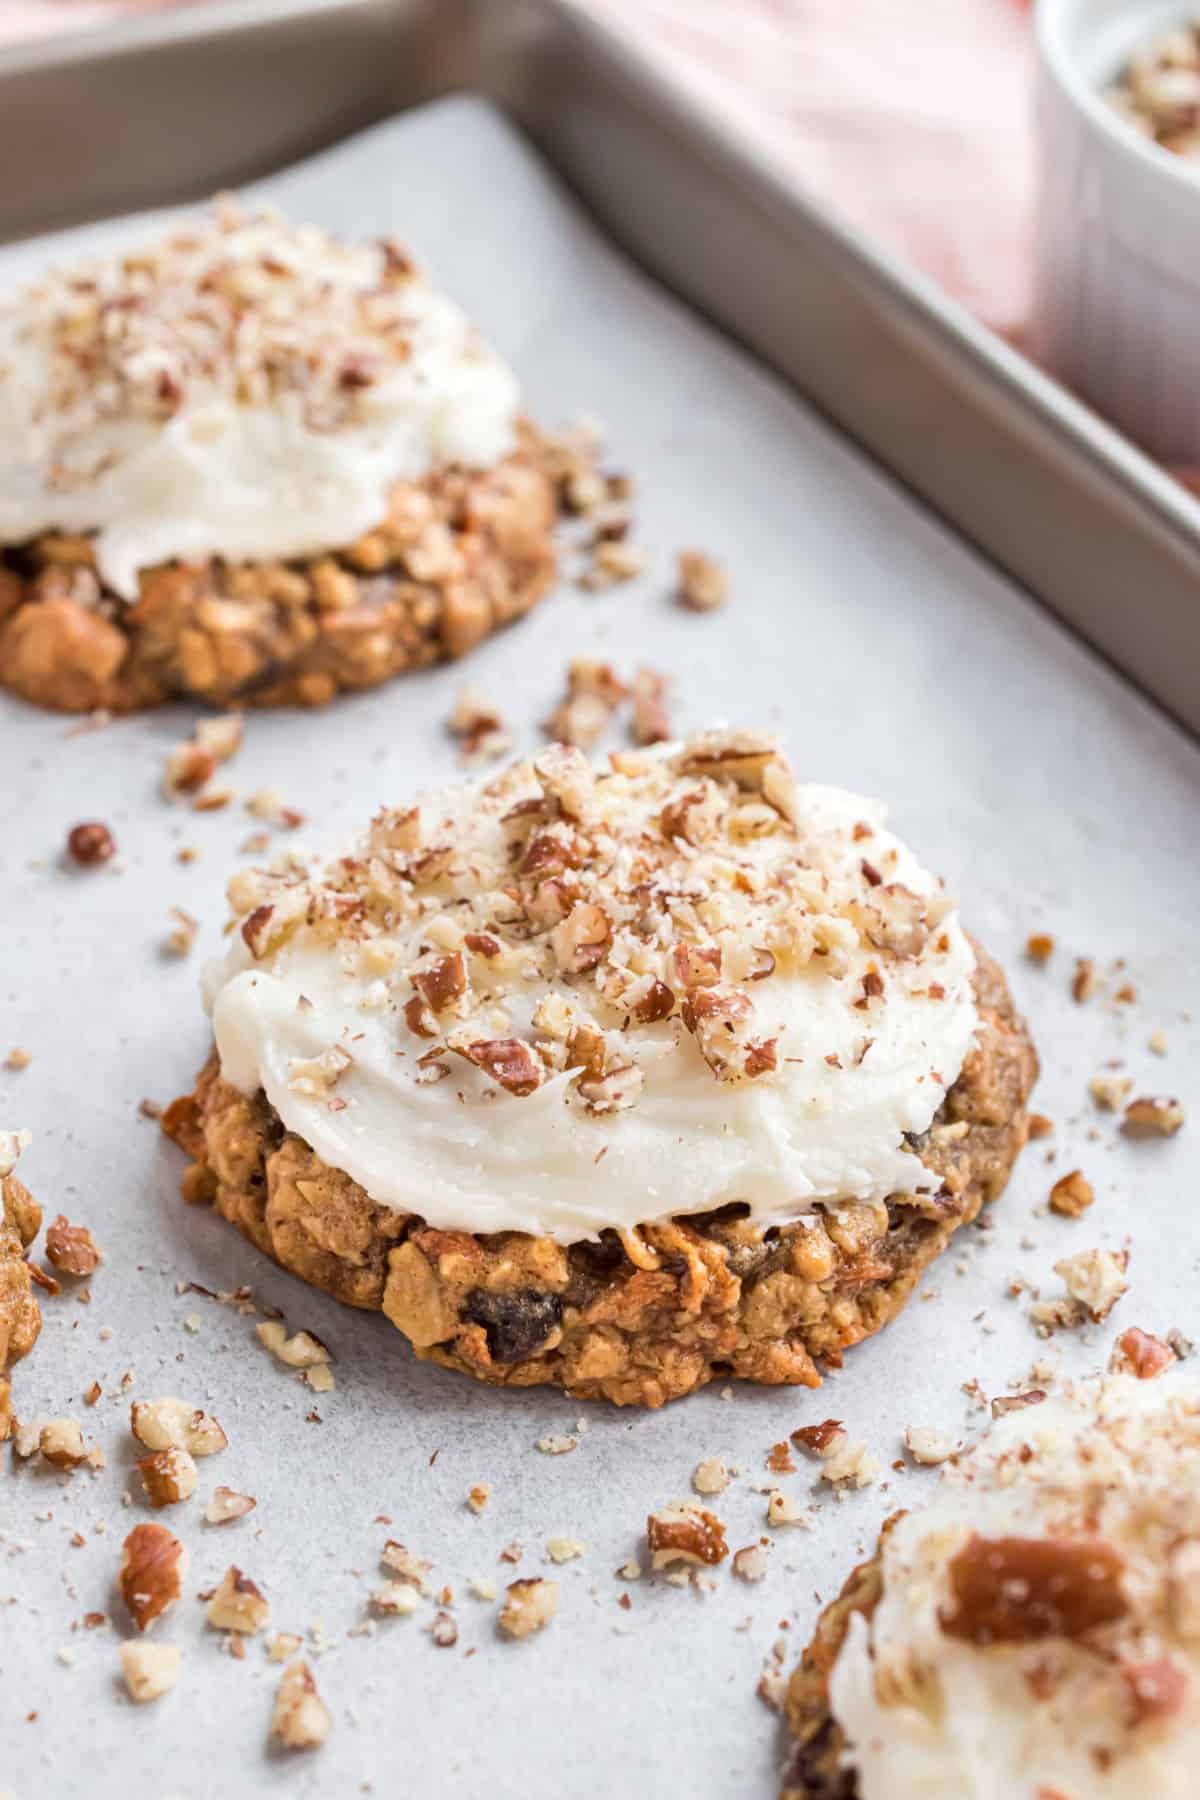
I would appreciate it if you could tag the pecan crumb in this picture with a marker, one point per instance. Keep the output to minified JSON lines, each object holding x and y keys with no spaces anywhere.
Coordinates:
{"x":1109,"y":1090}
{"x":225,"y":1505}
{"x":651,"y":720}
{"x":1096,"y":1278}
{"x":529,"y":1606}
{"x":1085,"y":980}
{"x":238,"y":1604}
{"x":1152,"y":1117}
{"x":71,"y":1248}
{"x":170,"y":1424}
{"x":168,"y":1477}
{"x":703,"y":584}
{"x":1071,"y":1195}
{"x":750,"y":1563}
{"x":711,"y":1476}
{"x":1140,"y":1353}
{"x":150,"y":1670}
{"x":927,"y":1445}
{"x":153,"y":1564}
{"x":61,"y":1443}
{"x":183,"y":932}
{"x":782,"y":1509}
{"x":300,"y":1720}
{"x":685,"y":1533}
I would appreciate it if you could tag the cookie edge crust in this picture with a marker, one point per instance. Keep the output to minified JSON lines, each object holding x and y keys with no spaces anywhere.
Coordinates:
{"x":637,"y":1320}
{"x":816,"y":1766}
{"x":20,"y":1313}
{"x":288,"y":633}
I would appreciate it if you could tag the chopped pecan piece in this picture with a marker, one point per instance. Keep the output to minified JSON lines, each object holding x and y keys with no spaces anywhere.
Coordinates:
{"x":593,"y":694}
{"x":187,"y":769}
{"x":816,"y":1439}
{"x":226,"y":1505}
{"x":583,"y":938}
{"x":150,"y":1670}
{"x":256,"y":928}
{"x":1085,"y":980}
{"x":1157,"y":1690}
{"x":443,"y":1629}
{"x":443,"y":983}
{"x":153,"y":1564}
{"x":1151,"y":1117}
{"x":651,"y":722}
{"x":300,"y":1351}
{"x":750,"y":1563}
{"x":1071,"y":1195}
{"x":168,"y":1476}
{"x":1109,"y":1090}
{"x":696,"y":965}
{"x":61,"y":1443}
{"x":1139,"y":1353}
{"x":509,"y":1062}
{"x":238,"y":1604}
{"x":1006,"y":1403}
{"x":719,"y":1019}
{"x":529,"y":1606}
{"x":169,"y":1424}
{"x":71,"y":1248}
{"x":1096,"y":1279}
{"x":685,"y":1534}
{"x":1019,"y":1590}
{"x":657,"y":1002}
{"x":300,"y":1719}
{"x":1183,"y":1589}
{"x":703,"y":582}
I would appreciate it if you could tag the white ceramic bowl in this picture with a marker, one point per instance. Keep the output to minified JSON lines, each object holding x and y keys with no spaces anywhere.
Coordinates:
{"x":1117,"y":308}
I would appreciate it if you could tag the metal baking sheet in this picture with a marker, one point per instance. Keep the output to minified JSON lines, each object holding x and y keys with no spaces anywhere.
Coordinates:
{"x":176,"y":105}
{"x":894,"y":660}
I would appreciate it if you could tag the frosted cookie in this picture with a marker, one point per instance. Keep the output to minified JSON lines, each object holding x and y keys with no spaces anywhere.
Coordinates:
{"x":1033,"y":1630}
{"x":248,"y":462}
{"x":20,"y":1315}
{"x":625,"y":1080}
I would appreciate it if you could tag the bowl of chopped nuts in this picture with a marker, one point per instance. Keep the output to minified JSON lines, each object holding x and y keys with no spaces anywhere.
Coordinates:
{"x":1117,"y":309}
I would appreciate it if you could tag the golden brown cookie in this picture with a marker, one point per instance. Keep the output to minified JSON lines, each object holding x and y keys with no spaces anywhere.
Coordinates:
{"x":543,"y":1070}
{"x":20,"y":1315}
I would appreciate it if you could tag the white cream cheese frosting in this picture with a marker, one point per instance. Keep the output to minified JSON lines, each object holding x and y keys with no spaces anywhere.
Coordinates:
{"x":944,"y":1697}
{"x":565,"y":1001}
{"x":243,"y":388}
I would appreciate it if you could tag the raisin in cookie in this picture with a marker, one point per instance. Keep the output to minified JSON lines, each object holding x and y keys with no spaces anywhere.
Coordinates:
{"x":247,"y":462}
{"x":625,"y":1080}
{"x":1034,"y":1629}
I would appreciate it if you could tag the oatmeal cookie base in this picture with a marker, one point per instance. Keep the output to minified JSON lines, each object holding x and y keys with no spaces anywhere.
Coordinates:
{"x":638,"y":1319}
{"x":817,"y":1768}
{"x":459,"y":555}
{"x":20,"y":1314}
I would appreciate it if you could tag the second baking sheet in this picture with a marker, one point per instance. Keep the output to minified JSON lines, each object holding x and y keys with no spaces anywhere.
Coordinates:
{"x":892,"y":660}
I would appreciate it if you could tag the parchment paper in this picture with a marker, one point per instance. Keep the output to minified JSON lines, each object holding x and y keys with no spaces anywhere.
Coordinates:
{"x":895,"y":662}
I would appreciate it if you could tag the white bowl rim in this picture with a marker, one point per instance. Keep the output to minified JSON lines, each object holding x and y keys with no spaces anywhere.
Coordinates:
{"x":1049,"y":17}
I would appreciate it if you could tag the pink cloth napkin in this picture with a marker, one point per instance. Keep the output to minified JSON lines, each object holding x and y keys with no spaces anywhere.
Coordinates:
{"x":911,"y":118}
